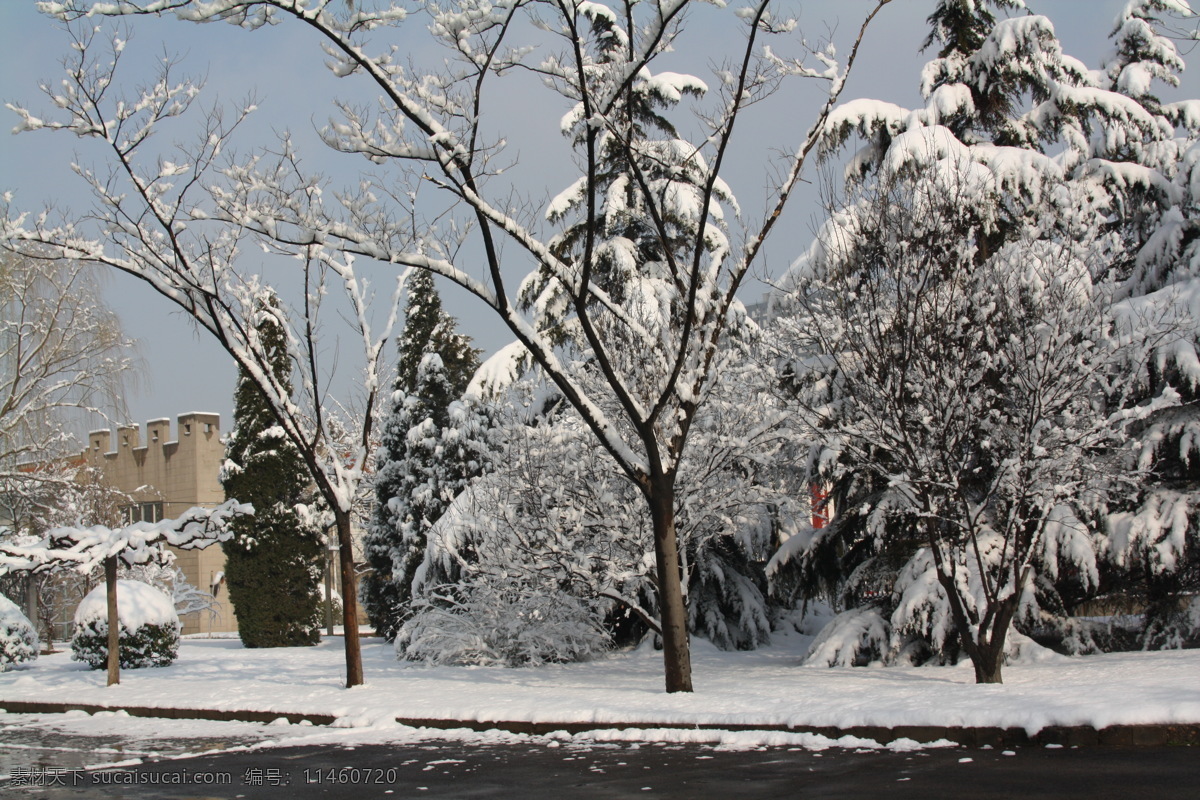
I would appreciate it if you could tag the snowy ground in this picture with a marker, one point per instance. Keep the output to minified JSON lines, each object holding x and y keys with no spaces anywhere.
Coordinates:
{"x":757,"y":688}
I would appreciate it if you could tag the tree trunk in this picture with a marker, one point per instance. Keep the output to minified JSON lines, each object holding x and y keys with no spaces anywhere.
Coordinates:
{"x":114,"y":621}
{"x":677,"y":659}
{"x":328,"y":570}
{"x":987,"y":667}
{"x":354,"y":669}
{"x":33,"y":610}
{"x":992,"y":639}
{"x":984,"y":644}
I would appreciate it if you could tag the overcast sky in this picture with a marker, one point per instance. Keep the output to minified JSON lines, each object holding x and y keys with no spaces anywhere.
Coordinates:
{"x":282,"y":66}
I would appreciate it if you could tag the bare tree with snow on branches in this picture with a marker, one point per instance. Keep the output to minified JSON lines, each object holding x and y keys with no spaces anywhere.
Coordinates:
{"x":433,"y":130}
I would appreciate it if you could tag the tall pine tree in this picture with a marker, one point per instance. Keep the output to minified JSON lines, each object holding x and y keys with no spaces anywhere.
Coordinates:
{"x":273,"y":561}
{"x":423,"y":462}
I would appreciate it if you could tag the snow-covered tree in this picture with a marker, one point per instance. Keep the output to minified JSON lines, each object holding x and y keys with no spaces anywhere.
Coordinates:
{"x":963,"y":287}
{"x":554,"y":519}
{"x":646,"y":189}
{"x":153,"y":225}
{"x":85,"y":549}
{"x":273,"y":561}
{"x":429,"y":329}
{"x":63,"y":359}
{"x":66,"y":493}
{"x":1154,"y":542}
{"x":970,"y":396}
{"x":424,"y":459}
{"x":433,"y":130}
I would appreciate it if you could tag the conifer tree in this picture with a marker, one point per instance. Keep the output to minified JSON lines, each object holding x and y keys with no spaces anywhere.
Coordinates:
{"x":273,"y":560}
{"x":422,"y":462}
{"x":1154,"y":547}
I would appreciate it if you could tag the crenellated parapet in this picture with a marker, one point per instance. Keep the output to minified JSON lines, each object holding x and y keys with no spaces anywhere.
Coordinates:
{"x":163,"y":473}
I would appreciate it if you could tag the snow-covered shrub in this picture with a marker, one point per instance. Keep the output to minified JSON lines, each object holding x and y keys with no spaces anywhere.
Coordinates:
{"x":853,"y":638}
{"x":1177,"y":629}
{"x":727,"y":598}
{"x":18,"y":637}
{"x":170,"y":579}
{"x":494,"y":626}
{"x":149,"y":627}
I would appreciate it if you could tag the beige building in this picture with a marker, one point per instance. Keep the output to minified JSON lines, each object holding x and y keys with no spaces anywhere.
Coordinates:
{"x":165,"y":475}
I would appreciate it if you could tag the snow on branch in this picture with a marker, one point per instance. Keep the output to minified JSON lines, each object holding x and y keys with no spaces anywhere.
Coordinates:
{"x":83,"y":549}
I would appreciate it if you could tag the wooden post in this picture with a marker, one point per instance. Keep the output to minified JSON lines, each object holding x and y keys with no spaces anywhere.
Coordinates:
{"x":114,"y":622}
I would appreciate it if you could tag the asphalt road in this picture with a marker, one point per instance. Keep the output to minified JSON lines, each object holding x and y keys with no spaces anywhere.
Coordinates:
{"x":535,"y":771}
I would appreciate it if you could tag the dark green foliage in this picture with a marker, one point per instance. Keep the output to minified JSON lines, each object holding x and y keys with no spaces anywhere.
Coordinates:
{"x":273,"y":561}
{"x":727,"y":596}
{"x":429,"y":329}
{"x":960,"y":27}
{"x":426,"y":453}
{"x":148,"y":646}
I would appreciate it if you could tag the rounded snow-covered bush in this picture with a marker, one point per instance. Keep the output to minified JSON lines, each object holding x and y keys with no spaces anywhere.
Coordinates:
{"x":500,"y":627}
{"x":855,"y":637}
{"x":18,"y":637}
{"x":149,"y":627}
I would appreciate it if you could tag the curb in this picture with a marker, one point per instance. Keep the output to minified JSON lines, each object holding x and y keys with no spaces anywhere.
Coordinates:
{"x":1187,"y":735}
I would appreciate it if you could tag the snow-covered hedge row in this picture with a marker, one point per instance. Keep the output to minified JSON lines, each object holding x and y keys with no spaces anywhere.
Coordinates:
{"x":18,"y":637}
{"x":149,"y":627}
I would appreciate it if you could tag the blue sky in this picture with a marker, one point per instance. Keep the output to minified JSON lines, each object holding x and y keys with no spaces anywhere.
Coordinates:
{"x":282,"y":66}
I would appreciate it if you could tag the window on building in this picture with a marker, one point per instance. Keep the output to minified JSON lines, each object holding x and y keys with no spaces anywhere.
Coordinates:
{"x":143,"y":512}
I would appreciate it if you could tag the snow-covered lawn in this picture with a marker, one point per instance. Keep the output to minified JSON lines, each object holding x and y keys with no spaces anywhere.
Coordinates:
{"x":758,"y":688}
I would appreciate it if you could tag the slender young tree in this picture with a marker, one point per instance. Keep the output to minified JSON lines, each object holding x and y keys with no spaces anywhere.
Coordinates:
{"x":273,"y":560}
{"x":195,"y":266}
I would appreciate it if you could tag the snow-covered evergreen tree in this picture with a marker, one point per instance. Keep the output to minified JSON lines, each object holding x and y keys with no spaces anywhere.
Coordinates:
{"x":273,"y":562}
{"x":429,"y":449}
{"x":641,"y":159}
{"x":954,"y":324}
{"x":1154,"y":541}
{"x":18,"y":636}
{"x":429,"y":329}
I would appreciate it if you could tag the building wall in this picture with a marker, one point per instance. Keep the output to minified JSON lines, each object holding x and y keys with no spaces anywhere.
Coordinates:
{"x":178,"y":471}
